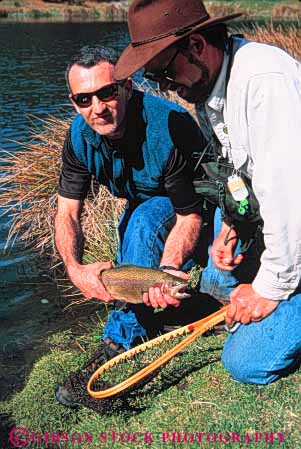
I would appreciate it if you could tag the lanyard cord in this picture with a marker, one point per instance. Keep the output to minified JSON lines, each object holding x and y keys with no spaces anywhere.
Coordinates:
{"x":228,"y":73}
{"x":214,"y":139}
{"x":229,"y":50}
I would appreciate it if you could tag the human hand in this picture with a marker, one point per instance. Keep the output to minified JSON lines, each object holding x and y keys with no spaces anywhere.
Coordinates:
{"x":222,"y":253}
{"x":86,"y":278}
{"x":247,"y":305}
{"x":156,"y":297}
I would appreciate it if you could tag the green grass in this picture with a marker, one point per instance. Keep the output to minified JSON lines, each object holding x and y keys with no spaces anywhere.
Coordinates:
{"x":191,"y":394}
{"x":38,"y":14}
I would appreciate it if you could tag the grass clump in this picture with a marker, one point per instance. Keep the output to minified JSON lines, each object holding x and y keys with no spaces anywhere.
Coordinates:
{"x":39,"y":14}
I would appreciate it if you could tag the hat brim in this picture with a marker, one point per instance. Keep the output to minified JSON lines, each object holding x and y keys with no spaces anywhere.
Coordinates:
{"x":134,"y":58}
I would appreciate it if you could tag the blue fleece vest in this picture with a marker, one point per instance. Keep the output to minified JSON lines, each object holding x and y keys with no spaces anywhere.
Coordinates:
{"x":137,"y":184}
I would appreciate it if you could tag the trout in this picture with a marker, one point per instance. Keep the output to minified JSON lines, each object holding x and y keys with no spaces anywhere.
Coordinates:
{"x":129,"y":282}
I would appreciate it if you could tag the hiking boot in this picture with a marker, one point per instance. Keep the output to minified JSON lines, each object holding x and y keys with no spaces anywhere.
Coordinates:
{"x":111,"y":349}
{"x":218,"y":329}
{"x":72,"y":393}
{"x":170,"y":328}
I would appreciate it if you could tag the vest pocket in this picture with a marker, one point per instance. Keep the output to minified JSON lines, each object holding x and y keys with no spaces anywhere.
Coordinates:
{"x":211,"y":183}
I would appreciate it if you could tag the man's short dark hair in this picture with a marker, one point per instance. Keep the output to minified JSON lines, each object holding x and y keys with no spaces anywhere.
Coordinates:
{"x":215,"y":35}
{"x":89,"y":56}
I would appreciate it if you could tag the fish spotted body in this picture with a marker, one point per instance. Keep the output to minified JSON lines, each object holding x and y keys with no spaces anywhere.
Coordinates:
{"x":129,"y":282}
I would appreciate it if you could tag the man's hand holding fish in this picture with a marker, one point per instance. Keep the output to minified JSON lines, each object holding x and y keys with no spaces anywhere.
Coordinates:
{"x":157,"y":297}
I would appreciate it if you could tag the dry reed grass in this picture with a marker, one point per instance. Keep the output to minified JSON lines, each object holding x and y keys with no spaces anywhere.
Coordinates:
{"x":287,"y":38}
{"x":29,"y":196}
{"x":286,"y":11}
{"x":282,"y":11}
{"x":30,"y":175}
{"x":28,"y":187}
{"x":218,"y":9}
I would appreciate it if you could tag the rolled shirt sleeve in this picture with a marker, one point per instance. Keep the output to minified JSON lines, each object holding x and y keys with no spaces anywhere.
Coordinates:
{"x":75,"y":180}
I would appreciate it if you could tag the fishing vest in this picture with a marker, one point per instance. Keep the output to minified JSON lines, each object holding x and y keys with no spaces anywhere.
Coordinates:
{"x":143,"y":178}
{"x":212,"y":172}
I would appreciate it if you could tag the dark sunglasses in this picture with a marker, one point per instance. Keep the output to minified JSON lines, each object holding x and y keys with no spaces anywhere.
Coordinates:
{"x":164,"y":73}
{"x":105,"y":94}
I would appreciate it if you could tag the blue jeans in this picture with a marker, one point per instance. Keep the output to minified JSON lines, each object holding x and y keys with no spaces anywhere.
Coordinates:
{"x":143,"y":232}
{"x":259,"y":352}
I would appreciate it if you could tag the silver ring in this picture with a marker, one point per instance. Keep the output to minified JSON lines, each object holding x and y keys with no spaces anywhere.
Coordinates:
{"x":233,"y":328}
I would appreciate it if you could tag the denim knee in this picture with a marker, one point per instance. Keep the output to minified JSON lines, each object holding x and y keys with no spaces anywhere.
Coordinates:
{"x":150,"y":219}
{"x":147,"y":228}
{"x":253,"y":360}
{"x":244,"y":369}
{"x":262,"y":352}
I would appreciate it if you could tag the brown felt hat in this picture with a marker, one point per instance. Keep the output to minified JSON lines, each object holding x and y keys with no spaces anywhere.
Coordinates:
{"x":154,"y":25}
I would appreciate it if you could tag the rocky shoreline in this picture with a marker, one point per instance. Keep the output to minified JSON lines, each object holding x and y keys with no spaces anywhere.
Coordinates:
{"x":38,"y":10}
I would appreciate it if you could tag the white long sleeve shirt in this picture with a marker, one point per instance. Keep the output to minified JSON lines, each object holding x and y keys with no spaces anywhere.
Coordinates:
{"x":259,"y":127}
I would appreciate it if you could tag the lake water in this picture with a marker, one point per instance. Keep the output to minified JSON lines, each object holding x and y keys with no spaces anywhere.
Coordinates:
{"x":33,"y":57}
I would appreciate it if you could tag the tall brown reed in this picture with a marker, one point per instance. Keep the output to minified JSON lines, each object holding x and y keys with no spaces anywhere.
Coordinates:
{"x":287,"y":38}
{"x":28,"y":187}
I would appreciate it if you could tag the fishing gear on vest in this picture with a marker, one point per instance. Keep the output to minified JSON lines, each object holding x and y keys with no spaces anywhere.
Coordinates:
{"x":217,"y":180}
{"x":211,"y":180}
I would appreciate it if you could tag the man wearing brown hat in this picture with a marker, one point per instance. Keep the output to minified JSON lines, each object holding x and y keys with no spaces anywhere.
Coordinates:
{"x":248,"y":102}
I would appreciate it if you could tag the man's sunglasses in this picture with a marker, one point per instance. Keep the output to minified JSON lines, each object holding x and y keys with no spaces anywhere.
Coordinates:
{"x":105,"y":94}
{"x":163,"y":75}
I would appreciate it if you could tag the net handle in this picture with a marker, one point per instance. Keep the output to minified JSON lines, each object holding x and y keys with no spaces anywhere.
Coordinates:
{"x":195,"y":329}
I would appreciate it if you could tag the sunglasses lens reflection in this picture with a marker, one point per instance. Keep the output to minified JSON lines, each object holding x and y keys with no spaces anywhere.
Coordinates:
{"x":83,"y":100}
{"x":105,"y":94}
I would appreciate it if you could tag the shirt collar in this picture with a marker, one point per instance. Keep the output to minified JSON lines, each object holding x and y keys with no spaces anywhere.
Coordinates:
{"x":217,"y":97}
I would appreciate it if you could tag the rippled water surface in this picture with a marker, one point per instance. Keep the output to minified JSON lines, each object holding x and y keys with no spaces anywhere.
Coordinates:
{"x":33,"y":57}
{"x":32,"y":62}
